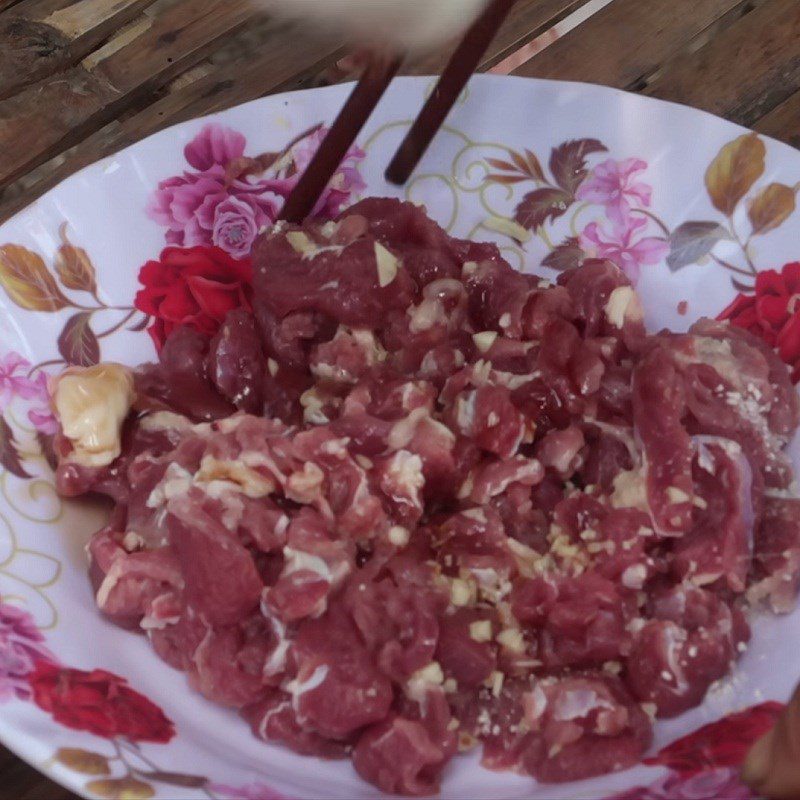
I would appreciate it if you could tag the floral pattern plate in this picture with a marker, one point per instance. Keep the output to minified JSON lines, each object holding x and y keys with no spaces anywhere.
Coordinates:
{"x":699,"y":212}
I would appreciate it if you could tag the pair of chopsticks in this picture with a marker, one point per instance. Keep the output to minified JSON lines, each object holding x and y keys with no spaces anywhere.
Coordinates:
{"x":371,"y":87}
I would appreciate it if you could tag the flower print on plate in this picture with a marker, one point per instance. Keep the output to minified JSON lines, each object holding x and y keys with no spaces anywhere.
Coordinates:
{"x":250,"y":791}
{"x":772,"y":312}
{"x":716,"y":784}
{"x":21,"y":649}
{"x":229,"y":197}
{"x":98,"y":702}
{"x":624,"y":245}
{"x":613,"y":185}
{"x":194,"y":286}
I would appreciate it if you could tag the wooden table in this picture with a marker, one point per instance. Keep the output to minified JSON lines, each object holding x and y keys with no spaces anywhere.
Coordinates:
{"x":80,"y":79}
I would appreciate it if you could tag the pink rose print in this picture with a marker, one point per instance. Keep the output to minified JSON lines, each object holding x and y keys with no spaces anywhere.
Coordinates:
{"x":612,"y":184}
{"x":622,"y":246}
{"x":21,"y":647}
{"x":216,"y":146}
{"x":717,"y":783}
{"x":236,"y":221}
{"x":346,"y":182}
{"x":253,"y":791}
{"x":207,"y":207}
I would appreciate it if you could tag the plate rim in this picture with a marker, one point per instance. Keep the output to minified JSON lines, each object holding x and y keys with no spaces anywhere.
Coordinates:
{"x":9,"y":734}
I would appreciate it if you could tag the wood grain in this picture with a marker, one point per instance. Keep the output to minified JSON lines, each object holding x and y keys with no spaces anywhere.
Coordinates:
{"x":55,"y":113}
{"x":743,"y":72}
{"x":626,"y":41}
{"x":783,"y":122}
{"x":282,"y":57}
{"x":41,"y":37}
{"x":528,"y":19}
{"x":18,"y":781}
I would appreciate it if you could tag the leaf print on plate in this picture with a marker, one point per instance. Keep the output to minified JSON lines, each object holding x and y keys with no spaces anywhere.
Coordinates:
{"x":542,"y":205}
{"x":74,"y":267}
{"x":693,"y":241}
{"x":568,"y":255}
{"x":771,"y":208}
{"x":27,"y":281}
{"x":734,"y":171}
{"x":568,"y":162}
{"x":83,"y":761}
{"x":77,"y":343}
{"x":615,"y":186}
{"x":9,"y":451}
{"x":122,"y":789}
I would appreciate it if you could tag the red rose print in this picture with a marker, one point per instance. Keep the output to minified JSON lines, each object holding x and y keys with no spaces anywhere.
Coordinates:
{"x":196,"y":286}
{"x":773,"y":312}
{"x":724,"y":743}
{"x":98,"y":702}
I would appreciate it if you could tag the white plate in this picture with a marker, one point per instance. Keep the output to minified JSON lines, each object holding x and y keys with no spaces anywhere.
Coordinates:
{"x":103,"y":209}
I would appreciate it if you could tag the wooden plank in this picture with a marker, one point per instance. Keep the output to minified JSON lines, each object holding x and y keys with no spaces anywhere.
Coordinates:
{"x":276,"y":57}
{"x":41,"y":37}
{"x":528,"y":19}
{"x":783,"y":122}
{"x":745,"y":71}
{"x":626,"y":41}
{"x":44,"y":119}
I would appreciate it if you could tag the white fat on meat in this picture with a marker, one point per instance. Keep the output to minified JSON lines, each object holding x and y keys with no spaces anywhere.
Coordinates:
{"x":673,"y":641}
{"x":630,"y":491}
{"x":276,"y":663}
{"x":305,"y":486}
{"x":535,"y":705}
{"x":313,"y":403}
{"x":634,"y":576}
{"x":176,"y":482}
{"x":403,"y":430}
{"x":235,"y":475}
{"x":92,"y":404}
{"x":300,"y":561}
{"x":578,"y":704}
{"x":423,"y":681}
{"x":298,"y":688}
{"x":428,"y":313}
{"x":265,"y":720}
{"x":165,"y":421}
{"x":405,"y":471}
{"x":465,"y":412}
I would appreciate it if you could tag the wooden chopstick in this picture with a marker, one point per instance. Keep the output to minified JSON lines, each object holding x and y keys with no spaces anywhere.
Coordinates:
{"x":459,"y":70}
{"x":365,"y":97}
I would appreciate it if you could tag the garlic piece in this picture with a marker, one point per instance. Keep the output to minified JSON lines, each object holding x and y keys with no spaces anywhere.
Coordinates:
{"x":623,"y":305}
{"x":387,"y":265}
{"x":91,"y":404}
